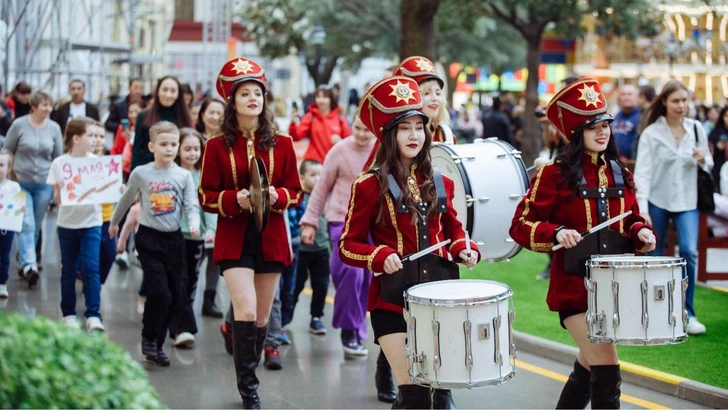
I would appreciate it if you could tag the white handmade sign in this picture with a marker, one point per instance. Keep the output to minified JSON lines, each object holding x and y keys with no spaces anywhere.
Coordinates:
{"x":95,"y":180}
{"x":12,"y":207}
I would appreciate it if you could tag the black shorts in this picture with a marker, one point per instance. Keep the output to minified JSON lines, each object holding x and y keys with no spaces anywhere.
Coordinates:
{"x":251,"y":256}
{"x":385,"y":322}
{"x":563,"y":314}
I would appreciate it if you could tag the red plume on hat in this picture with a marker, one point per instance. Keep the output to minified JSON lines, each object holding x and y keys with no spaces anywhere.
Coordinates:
{"x":418,"y":68}
{"x":577,"y":106}
{"x":236,"y":71}
{"x":389,"y":102}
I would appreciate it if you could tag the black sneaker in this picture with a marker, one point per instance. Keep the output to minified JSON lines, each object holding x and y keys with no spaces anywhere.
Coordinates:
{"x":149,"y":349}
{"x":32,"y":276}
{"x":162,"y":359}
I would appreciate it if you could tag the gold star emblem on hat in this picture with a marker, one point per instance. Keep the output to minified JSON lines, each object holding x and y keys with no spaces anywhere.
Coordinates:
{"x":589,"y":96}
{"x":402,"y":92}
{"x":242,"y":65}
{"x":425,"y":65}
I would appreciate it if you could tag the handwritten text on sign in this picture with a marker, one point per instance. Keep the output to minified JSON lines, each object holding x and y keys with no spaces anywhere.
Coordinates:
{"x":95,"y":180}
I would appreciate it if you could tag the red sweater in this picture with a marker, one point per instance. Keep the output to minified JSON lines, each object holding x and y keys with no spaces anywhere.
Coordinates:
{"x":319,"y":128}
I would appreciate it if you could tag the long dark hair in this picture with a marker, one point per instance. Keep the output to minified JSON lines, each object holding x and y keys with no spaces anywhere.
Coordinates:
{"x":720,"y":126}
{"x":266,"y":133}
{"x":181,"y":113}
{"x":571,"y":158}
{"x":206,"y":103}
{"x":657,"y":108}
{"x":388,"y":161}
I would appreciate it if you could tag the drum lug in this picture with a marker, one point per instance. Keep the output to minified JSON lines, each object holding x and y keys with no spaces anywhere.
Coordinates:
{"x":600,"y":324}
{"x":515,"y":196}
{"x":436,"y":360}
{"x":469,"y":200}
{"x":467,"y":328}
{"x":671,"y":319}
{"x":615,"y":292}
{"x":645,"y":313}
{"x":511,"y":344}
{"x":684,"y":304}
{"x":497,"y":356}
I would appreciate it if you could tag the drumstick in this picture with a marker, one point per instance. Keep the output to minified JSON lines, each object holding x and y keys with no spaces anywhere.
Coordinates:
{"x":467,"y":246}
{"x":651,"y":238}
{"x":598,"y":227}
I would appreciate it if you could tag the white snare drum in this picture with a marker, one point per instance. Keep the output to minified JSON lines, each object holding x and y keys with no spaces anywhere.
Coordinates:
{"x":636,"y":300}
{"x":459,"y":333}
{"x":490,"y":180}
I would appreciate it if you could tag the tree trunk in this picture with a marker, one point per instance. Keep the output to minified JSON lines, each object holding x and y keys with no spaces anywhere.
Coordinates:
{"x":531,"y":142}
{"x":321,"y":69}
{"x":417,"y":28}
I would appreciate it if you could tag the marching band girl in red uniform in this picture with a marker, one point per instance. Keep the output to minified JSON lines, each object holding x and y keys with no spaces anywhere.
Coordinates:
{"x":586,"y":185}
{"x":391,"y":109}
{"x":434,"y":104}
{"x":251,"y":270}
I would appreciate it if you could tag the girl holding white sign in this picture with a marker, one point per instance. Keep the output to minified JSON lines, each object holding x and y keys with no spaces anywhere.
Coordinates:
{"x":9,"y":189}
{"x":79,"y":227}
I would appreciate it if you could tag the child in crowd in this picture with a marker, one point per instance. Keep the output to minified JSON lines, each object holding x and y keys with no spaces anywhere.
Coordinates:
{"x":79,"y":228}
{"x":165,"y":191}
{"x":107,"y":254}
{"x":183,"y":326}
{"x":313,"y":259}
{"x":342,"y":166}
{"x":8,"y":187}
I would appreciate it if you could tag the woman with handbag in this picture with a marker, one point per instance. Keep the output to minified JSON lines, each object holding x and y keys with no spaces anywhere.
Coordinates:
{"x":399,"y":206}
{"x":671,"y":152}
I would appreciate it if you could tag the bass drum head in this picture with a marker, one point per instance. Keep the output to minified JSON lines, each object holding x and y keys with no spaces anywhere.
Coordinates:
{"x":442,"y":159}
{"x":490,"y":175}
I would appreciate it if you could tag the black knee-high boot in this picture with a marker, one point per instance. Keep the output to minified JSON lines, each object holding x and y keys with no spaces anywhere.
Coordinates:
{"x":442,"y":399}
{"x":605,"y":387}
{"x":244,"y":344}
{"x":383,"y":380}
{"x":261,"y":334}
{"x":412,"y":396}
{"x":576,"y":393}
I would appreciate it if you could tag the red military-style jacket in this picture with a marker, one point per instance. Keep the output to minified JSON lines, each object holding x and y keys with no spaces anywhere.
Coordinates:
{"x":225,"y":172}
{"x":396,"y":233}
{"x":438,"y":135}
{"x":549,"y":205}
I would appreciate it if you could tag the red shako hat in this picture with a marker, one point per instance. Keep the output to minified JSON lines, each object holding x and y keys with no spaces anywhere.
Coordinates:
{"x":236,"y":71}
{"x":389,"y":102}
{"x":578,"y":105}
{"x":419,"y":68}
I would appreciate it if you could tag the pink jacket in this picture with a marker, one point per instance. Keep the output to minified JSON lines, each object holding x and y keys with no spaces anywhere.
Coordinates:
{"x":342,"y":166}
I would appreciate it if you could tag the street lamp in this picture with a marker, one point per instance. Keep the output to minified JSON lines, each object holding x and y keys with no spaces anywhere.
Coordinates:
{"x":318,"y":39}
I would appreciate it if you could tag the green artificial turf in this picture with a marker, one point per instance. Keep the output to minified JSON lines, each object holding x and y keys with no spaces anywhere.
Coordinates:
{"x":702,"y":358}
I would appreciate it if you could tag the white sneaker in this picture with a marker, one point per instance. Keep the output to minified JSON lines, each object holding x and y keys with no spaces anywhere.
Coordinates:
{"x":140,"y":304}
{"x":184,"y":339}
{"x":3,"y":291}
{"x":71,"y":322}
{"x":695,"y":327}
{"x":94,"y":323}
{"x":122,"y":260}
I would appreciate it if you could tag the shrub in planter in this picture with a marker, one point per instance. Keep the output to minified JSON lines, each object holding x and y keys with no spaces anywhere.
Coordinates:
{"x":44,"y":364}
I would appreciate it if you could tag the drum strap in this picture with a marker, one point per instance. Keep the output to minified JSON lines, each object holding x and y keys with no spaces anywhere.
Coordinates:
{"x":439,"y":190}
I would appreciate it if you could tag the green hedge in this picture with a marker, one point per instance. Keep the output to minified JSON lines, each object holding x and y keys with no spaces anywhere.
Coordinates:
{"x":45,"y":364}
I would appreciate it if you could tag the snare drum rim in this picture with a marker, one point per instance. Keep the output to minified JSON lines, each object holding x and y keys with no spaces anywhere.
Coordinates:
{"x":477,"y":301}
{"x":662,"y":262}
{"x":470,"y":217}
{"x":655,"y":341}
{"x":422,"y":381}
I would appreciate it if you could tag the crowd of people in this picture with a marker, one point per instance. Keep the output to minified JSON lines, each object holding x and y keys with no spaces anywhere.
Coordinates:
{"x":332,"y":212}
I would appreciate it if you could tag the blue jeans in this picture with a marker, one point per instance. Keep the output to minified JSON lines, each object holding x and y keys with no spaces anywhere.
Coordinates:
{"x":6,"y":243}
{"x":287,"y":289}
{"x":686,"y":224}
{"x":38,"y":196}
{"x":80,"y":249}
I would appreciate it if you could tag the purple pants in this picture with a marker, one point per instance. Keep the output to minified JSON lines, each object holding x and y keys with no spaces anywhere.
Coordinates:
{"x":352,"y":288}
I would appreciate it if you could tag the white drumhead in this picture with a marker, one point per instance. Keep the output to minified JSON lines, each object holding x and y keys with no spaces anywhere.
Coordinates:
{"x":632,"y":261}
{"x":458,"y":289}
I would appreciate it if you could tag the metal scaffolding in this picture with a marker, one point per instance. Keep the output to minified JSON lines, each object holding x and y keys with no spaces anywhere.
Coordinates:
{"x":47,"y":43}
{"x":216,"y":30}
